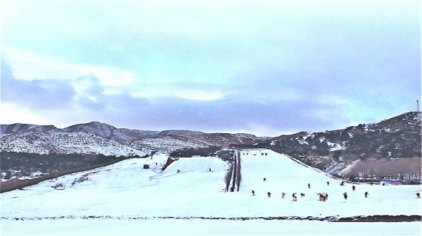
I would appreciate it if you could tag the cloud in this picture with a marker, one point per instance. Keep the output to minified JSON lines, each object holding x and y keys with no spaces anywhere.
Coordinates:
{"x":56,"y":99}
{"x":29,"y":65}
{"x":274,"y":66}
{"x":189,"y":91}
{"x":229,"y":114}
{"x":36,"y":94}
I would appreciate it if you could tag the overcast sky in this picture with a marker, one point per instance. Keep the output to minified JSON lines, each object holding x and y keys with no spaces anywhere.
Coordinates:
{"x":267,"y":68}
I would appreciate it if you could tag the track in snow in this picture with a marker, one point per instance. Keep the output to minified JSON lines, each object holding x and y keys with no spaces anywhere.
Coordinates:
{"x":233,"y":182}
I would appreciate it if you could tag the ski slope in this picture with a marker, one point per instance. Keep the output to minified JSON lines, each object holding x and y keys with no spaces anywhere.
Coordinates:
{"x":125,"y":190}
{"x":285,"y":175}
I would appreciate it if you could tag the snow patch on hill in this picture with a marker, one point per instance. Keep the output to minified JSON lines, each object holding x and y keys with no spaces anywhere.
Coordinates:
{"x":167,"y":144}
{"x":66,"y":143}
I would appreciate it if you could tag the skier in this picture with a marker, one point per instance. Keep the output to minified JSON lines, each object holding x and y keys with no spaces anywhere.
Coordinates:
{"x":309,"y":186}
{"x":323,"y":196}
{"x":345,"y":195}
{"x":294,"y":197}
{"x":366,"y":194}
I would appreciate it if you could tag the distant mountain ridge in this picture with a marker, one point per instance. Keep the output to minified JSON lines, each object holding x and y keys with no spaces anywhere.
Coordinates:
{"x":337,"y":151}
{"x":95,"y":137}
{"x":20,"y":128}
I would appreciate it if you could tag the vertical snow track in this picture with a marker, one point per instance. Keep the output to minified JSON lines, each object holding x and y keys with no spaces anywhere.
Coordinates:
{"x":233,"y":183}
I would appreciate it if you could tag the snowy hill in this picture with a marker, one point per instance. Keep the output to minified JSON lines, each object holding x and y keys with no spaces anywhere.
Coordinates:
{"x":196,"y":193}
{"x":334,"y":151}
{"x":97,"y":136}
{"x":21,"y":128}
{"x":65,"y":143}
{"x":110,"y":132}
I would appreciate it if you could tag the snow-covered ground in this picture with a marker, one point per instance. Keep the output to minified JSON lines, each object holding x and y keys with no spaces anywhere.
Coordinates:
{"x":203,"y":227}
{"x":124,"y":192}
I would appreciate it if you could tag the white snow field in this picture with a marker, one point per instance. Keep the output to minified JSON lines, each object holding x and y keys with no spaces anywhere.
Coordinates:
{"x":124,"y":198}
{"x":204,"y":227}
